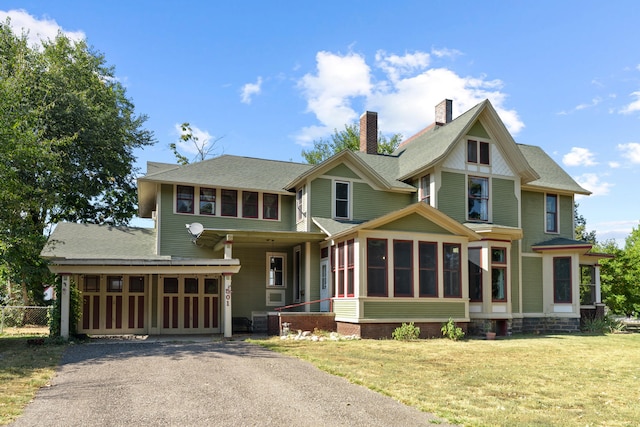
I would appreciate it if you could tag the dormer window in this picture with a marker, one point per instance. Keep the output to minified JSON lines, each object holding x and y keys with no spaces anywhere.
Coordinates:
{"x":478,"y":152}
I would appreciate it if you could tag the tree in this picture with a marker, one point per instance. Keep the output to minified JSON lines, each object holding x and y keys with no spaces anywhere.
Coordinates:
{"x":203,"y":149}
{"x":67,"y":135}
{"x":620,"y":276}
{"x":347,"y":139}
{"x":580,"y":232}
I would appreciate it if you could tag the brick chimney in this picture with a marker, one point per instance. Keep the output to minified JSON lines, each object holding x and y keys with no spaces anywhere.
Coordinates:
{"x":444,"y":112}
{"x":369,"y":132}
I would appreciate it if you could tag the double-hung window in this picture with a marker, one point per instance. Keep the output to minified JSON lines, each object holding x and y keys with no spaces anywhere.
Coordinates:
{"x":425,"y":189}
{"x":276,"y":269}
{"x":451,"y":270}
{"x":229,"y":202}
{"x":184,"y":199}
{"x":562,"y":280}
{"x":499,"y":274}
{"x":341,"y":200}
{"x":269,"y":206}
{"x":207,"y":201}
{"x":551,"y":207}
{"x":249,"y":204}
{"x":478,"y":199}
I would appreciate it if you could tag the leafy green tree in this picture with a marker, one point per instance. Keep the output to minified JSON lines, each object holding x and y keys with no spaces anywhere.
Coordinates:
{"x":347,"y":139}
{"x":67,"y":136}
{"x":620,"y":276}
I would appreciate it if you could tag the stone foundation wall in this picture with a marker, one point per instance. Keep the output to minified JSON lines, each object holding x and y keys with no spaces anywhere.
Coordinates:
{"x":550,"y":325}
{"x":502,"y":327}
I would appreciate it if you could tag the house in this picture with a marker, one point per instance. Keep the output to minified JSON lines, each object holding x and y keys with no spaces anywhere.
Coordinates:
{"x":459,"y":222}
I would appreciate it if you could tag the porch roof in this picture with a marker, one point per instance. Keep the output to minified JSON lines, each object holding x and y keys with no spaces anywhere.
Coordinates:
{"x":562,"y":243}
{"x":211,"y":237}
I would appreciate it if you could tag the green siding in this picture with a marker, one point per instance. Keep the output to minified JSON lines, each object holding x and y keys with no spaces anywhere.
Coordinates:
{"x":320,"y":198}
{"x":394,"y":309}
{"x":345,"y":308}
{"x":567,"y":229}
{"x":369,"y":203}
{"x":415,"y":223}
{"x":504,"y":201}
{"x":532,"y":285}
{"x":174,"y":240}
{"x":452,"y":199}
{"x":342,"y":171}
{"x":533,"y":215}
{"x":515,"y":278}
{"x":478,"y":131}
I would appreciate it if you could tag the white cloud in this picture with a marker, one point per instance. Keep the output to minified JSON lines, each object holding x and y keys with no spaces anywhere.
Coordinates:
{"x":593,"y":103}
{"x":402,"y":89}
{"x":592,"y":182}
{"x":630,"y":151}
{"x":249,"y":90}
{"x":579,"y":157}
{"x":37,"y":29}
{"x":204,"y":139}
{"x":395,"y":66}
{"x":444,"y":52}
{"x":614,"y":165}
{"x":338,"y":79}
{"x":633,"y":106}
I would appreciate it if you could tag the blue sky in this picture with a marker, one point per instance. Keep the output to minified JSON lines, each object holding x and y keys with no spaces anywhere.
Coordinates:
{"x":271,"y":77}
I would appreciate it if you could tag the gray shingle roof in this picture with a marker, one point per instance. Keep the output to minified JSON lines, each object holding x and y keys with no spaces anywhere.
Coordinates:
{"x":232,"y":172}
{"x":552,"y":176}
{"x":91,"y":241}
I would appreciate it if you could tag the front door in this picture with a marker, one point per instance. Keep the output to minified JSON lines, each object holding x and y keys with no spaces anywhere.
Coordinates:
{"x":325,"y":285}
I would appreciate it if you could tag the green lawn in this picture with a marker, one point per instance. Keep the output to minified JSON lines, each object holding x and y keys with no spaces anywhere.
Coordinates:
{"x":24,"y":369}
{"x":568,"y":380}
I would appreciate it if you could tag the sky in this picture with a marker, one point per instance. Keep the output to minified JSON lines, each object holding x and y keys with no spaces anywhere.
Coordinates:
{"x":267,"y":78}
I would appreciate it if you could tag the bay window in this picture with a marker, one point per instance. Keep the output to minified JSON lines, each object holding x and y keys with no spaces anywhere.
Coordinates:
{"x":562,"y":280}
{"x":499,"y":274}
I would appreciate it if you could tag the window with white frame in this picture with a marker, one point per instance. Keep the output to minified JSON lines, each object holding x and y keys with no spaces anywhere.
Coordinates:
{"x":425,"y":189}
{"x":551,"y":208}
{"x":562,"y":280}
{"x":276,"y":269}
{"x":498,"y":274}
{"x":184,"y":199}
{"x":207,"y":201}
{"x":478,"y":152}
{"x":451,"y":270}
{"x":299,"y":204}
{"x":341,"y":199}
{"x":478,"y":200}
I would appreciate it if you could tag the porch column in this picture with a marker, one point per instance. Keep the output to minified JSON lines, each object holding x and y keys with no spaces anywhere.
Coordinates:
{"x":228,"y":320}
{"x":598,"y":290}
{"x":228,"y":317}
{"x":307,"y":276}
{"x":64,"y":306}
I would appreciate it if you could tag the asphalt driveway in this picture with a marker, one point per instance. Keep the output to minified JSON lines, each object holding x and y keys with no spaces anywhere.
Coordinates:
{"x":204,"y":383}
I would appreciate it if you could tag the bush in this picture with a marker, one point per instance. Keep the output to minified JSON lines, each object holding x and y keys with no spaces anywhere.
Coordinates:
{"x":451,"y":331}
{"x":406,"y":332}
{"x":603,"y":325}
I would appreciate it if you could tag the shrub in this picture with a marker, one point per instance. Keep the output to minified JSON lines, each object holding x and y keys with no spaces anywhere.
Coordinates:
{"x":603,"y":325}
{"x":406,"y":332}
{"x":451,"y":331}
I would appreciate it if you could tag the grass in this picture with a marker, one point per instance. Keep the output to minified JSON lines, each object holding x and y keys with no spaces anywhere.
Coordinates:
{"x":569,"y":380}
{"x":24,"y":369}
